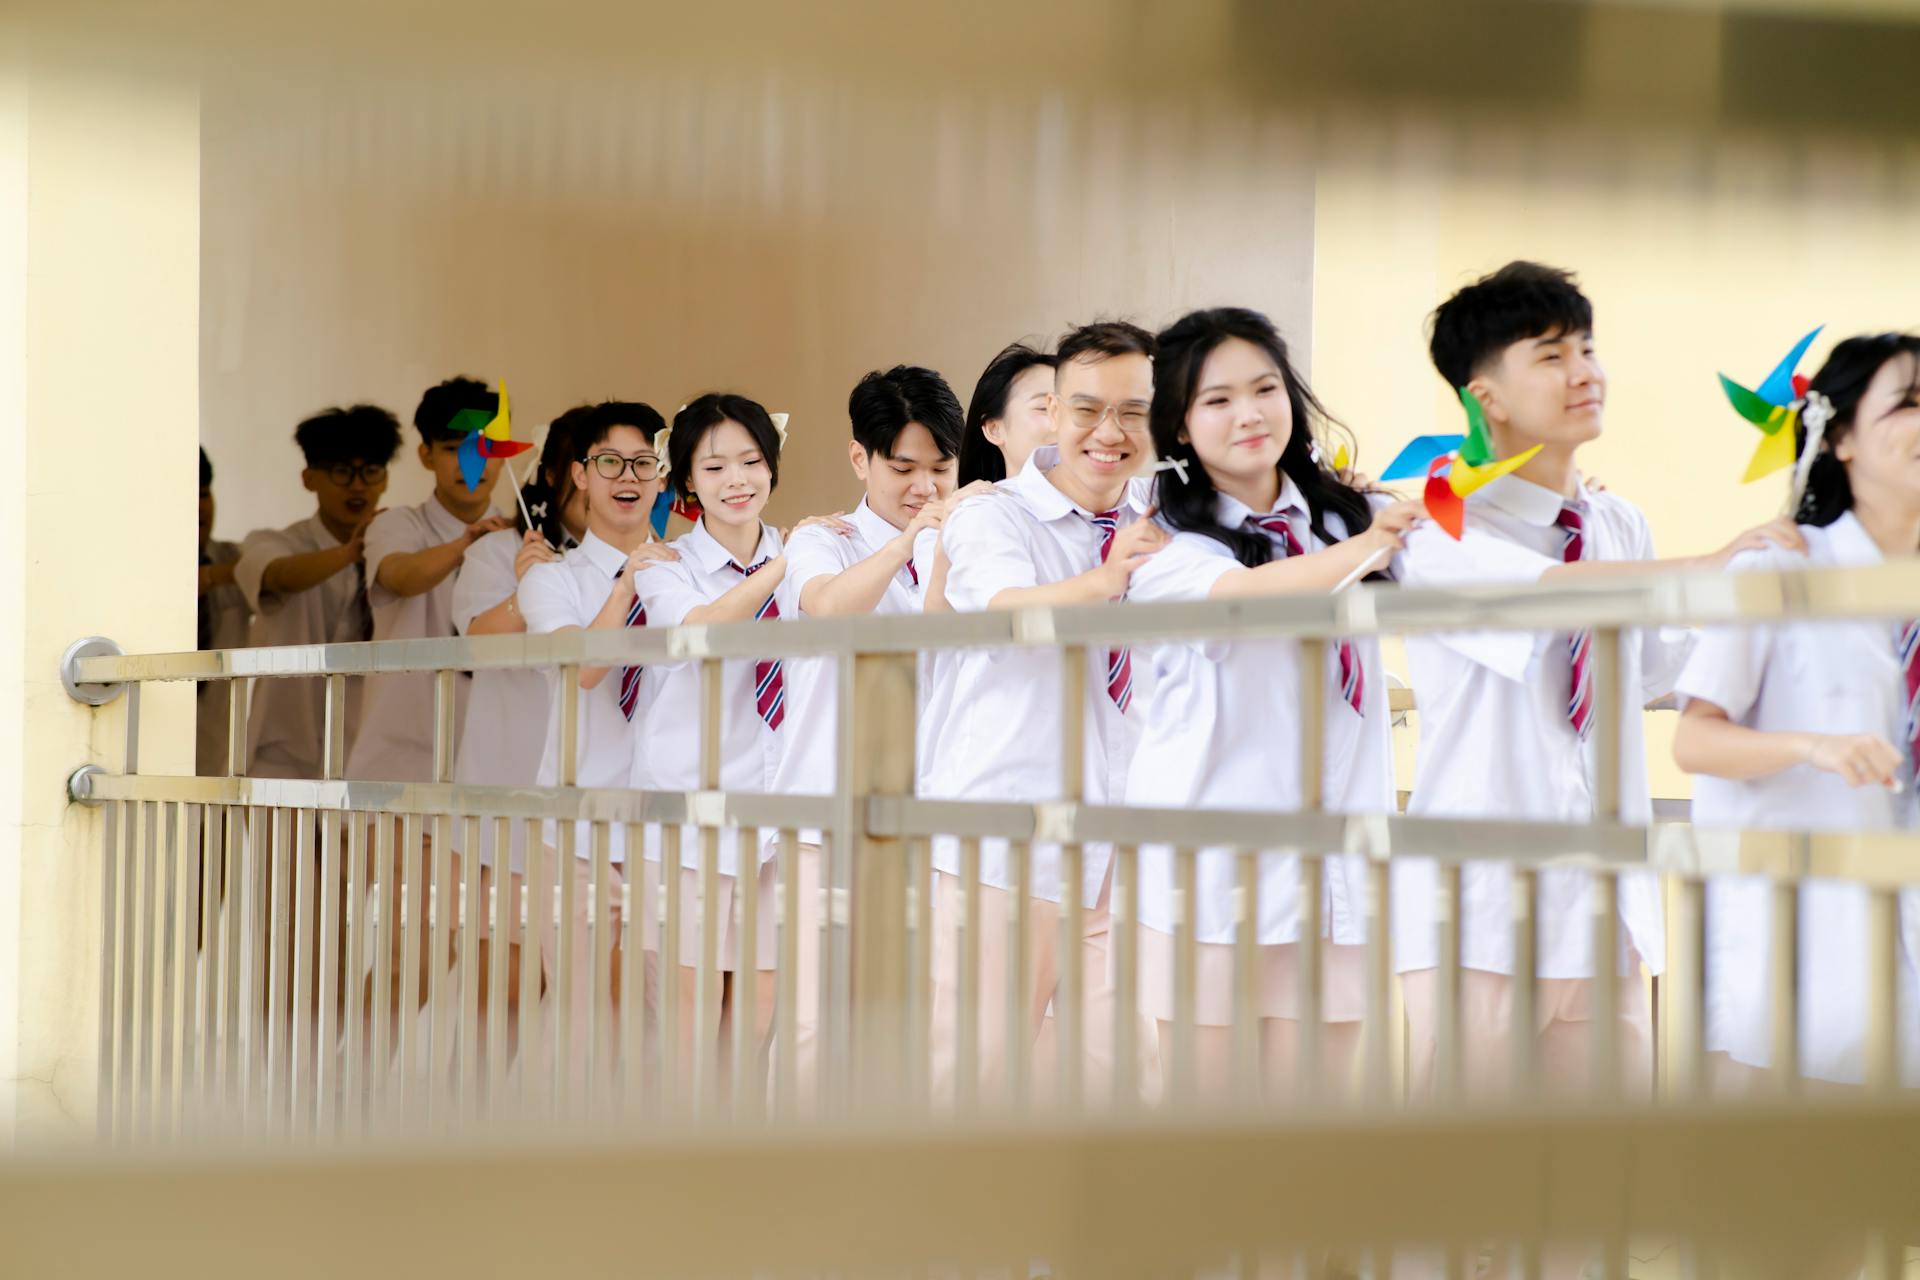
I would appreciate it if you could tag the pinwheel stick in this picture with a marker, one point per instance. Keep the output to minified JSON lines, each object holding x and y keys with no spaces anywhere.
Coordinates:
{"x":1366,"y":567}
{"x":520,"y":497}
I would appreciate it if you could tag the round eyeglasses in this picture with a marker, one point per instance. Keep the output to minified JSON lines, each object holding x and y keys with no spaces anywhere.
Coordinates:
{"x":612,"y":466}
{"x":345,"y":473}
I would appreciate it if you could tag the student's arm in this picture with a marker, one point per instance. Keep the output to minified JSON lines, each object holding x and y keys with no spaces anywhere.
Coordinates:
{"x":1132,"y":547}
{"x":742,"y":601}
{"x":827,"y":591}
{"x":1326,"y":569}
{"x":1781,"y":532}
{"x":290,"y":575}
{"x":1706,"y":741}
{"x":505,"y":617}
{"x":414,"y":573}
{"x":216,"y":575}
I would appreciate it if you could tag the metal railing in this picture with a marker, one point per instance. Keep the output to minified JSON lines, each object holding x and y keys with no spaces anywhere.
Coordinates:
{"x":236,"y":911}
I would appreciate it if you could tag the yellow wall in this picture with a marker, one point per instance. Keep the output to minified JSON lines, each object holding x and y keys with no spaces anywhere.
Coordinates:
{"x":1698,"y":258}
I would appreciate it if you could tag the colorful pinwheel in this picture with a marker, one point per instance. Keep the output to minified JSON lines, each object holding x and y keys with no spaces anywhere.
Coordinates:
{"x":488,"y":436}
{"x":1775,"y":409}
{"x":1455,"y":466}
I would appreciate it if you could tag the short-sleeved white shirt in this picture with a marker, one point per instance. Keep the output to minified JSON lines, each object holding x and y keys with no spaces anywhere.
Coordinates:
{"x":571,"y":592}
{"x":1000,"y":734}
{"x":396,"y":729}
{"x":1820,"y":677}
{"x":1219,"y":727}
{"x":507,"y":711}
{"x":287,"y":717}
{"x":809,"y":737}
{"x":1496,"y":741}
{"x":669,"y":712}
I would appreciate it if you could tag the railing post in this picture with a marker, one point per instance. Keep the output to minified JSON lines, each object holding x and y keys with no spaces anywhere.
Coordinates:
{"x":877,"y":759}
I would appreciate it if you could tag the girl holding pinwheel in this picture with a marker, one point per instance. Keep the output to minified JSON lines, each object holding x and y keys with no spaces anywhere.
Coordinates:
{"x":1813,"y":725}
{"x":1253,"y":512}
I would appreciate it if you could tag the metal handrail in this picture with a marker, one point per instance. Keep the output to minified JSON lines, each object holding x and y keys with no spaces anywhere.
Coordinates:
{"x":1632,"y":600}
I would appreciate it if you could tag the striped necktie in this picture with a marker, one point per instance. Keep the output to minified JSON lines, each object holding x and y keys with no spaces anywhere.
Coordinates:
{"x":1573,"y":548}
{"x":1353,"y":676}
{"x":1909,"y":648}
{"x":630,"y":676}
{"x":769,"y":682}
{"x":1119,"y":661}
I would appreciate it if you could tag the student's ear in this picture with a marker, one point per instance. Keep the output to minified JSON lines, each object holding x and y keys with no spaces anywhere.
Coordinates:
{"x":309,"y":479}
{"x":1489,"y":397}
{"x":857,"y":458}
{"x":426,"y":455}
{"x":995,"y":433}
{"x":579,"y":473}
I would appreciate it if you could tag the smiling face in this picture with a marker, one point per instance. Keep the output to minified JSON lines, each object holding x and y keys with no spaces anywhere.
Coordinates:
{"x":730,"y":475}
{"x":1548,"y":390}
{"x":1240,"y":419}
{"x":1027,"y":422}
{"x":619,"y":506}
{"x":1881,"y":449}
{"x":1100,"y":412}
{"x":906,"y":479}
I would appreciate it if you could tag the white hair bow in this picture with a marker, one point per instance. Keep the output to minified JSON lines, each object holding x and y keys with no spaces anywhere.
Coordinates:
{"x":660,"y":441}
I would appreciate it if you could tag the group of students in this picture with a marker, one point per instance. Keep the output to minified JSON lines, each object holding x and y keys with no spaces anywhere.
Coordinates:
{"x":1125,"y":465}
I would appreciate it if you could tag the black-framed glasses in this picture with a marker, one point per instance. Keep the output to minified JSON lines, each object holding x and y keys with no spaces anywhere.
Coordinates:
{"x":345,"y":473}
{"x":612,"y":466}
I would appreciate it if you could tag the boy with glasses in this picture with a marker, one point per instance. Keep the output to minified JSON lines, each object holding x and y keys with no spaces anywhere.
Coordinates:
{"x":304,"y":585}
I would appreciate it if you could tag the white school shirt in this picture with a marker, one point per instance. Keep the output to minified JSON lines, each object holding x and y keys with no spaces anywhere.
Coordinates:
{"x":936,"y":684}
{"x":1000,"y":738}
{"x":669,"y":710}
{"x":1496,"y":742}
{"x":507,"y":711}
{"x":809,"y":736}
{"x":231,"y":618}
{"x":287,"y":717}
{"x":1219,"y":728}
{"x":396,"y":731}
{"x":1822,"y":677}
{"x":570,"y":592}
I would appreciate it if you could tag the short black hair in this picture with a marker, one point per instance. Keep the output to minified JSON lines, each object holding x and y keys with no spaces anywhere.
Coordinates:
{"x":206,"y":469}
{"x":608,"y":414}
{"x":884,"y":404}
{"x":361,"y":433}
{"x":980,"y":458}
{"x":1521,"y":300}
{"x":1103,"y":340}
{"x":690,"y":427}
{"x":1843,"y":380}
{"x":441,"y":403}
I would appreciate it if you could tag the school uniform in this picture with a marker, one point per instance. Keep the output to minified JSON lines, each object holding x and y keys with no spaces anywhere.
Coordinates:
{"x":1000,"y":741}
{"x":1498,"y":740}
{"x":753,"y":711}
{"x":1820,"y":677}
{"x":223,"y":622}
{"x":809,"y":736}
{"x":1219,"y":728}
{"x":570,"y":592}
{"x":287,"y":716}
{"x":396,"y":735}
{"x":504,"y":739}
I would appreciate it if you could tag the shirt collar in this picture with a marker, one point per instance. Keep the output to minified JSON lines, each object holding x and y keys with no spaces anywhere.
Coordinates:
{"x":442,"y":521}
{"x":602,"y":555}
{"x":1232,"y":513}
{"x":1048,"y":502}
{"x":705,"y":550}
{"x":1849,"y":543}
{"x":872,"y":526}
{"x":1524,"y":500}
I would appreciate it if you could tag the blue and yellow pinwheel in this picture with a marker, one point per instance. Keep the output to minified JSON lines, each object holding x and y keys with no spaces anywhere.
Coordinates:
{"x":1775,"y":409}
{"x":1454,"y":466}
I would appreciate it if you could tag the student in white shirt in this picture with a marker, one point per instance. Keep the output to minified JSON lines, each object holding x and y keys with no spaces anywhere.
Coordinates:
{"x":507,"y":711}
{"x":1505,"y":720}
{"x":906,"y":431}
{"x":1064,"y":530}
{"x":617,"y":470}
{"x":723,"y":453}
{"x":412,"y":554}
{"x":1810,"y":726}
{"x":304,"y":584}
{"x":1253,"y":513}
{"x":224,"y":620}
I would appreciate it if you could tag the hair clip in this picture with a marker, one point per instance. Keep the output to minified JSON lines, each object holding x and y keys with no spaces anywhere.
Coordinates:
{"x":1176,"y":465}
{"x":537,"y":511}
{"x":780,"y":427}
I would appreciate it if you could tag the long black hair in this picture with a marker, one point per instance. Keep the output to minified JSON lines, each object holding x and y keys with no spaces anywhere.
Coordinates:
{"x":1188,"y":502}
{"x":546,"y":491}
{"x":1843,"y":380}
{"x":980,"y":458}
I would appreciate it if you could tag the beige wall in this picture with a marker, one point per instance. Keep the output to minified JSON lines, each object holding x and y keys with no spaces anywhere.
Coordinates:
{"x":772,"y":233}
